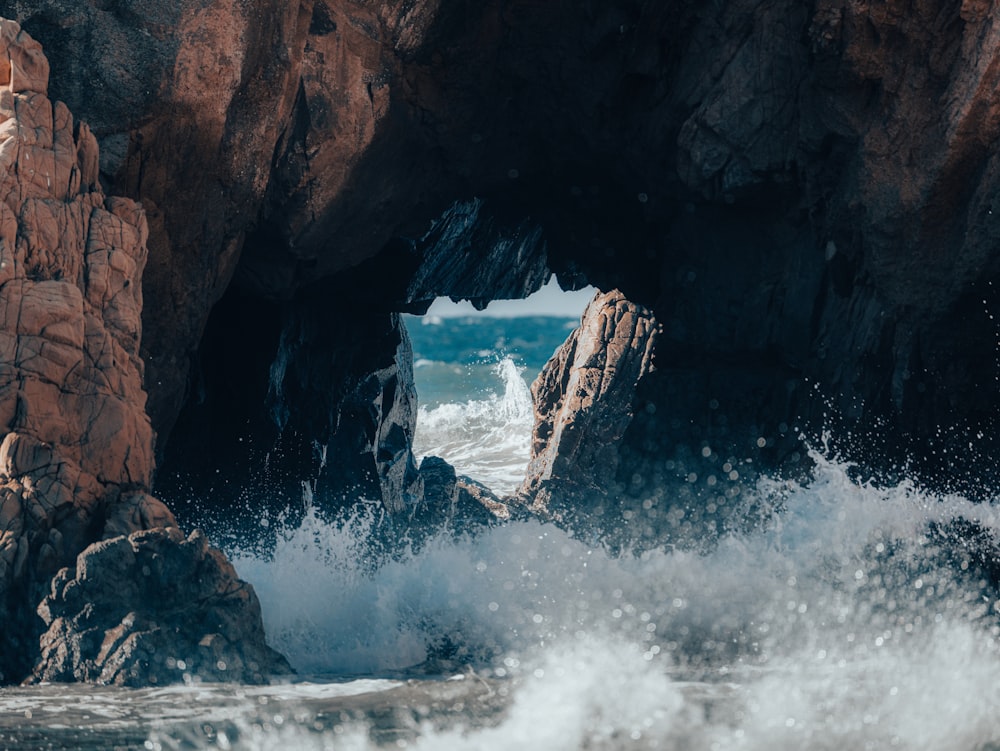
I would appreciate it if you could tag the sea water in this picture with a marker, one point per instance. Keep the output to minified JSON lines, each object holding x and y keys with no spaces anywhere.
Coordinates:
{"x":473,"y":377}
{"x":837,"y":622}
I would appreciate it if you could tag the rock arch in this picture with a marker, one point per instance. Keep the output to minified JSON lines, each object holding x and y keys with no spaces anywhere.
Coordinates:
{"x":807,"y":230}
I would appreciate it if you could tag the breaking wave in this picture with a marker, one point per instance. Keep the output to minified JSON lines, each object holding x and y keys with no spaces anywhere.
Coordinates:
{"x":851,"y":619}
{"x":487,"y":439}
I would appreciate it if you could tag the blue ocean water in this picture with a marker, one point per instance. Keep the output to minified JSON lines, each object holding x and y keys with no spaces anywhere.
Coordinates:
{"x":454,"y":358}
{"x":472,"y":376}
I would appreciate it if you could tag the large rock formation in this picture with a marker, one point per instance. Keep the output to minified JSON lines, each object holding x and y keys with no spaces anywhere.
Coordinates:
{"x":76,"y":456}
{"x":803,"y":194}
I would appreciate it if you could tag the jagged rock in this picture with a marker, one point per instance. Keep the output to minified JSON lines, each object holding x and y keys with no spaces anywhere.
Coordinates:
{"x":76,"y":444}
{"x":456,"y":502}
{"x":24,"y":67}
{"x":477,"y":504}
{"x":467,"y":255}
{"x":71,"y":398}
{"x":440,"y":481}
{"x":153,"y":607}
{"x":583,"y":404}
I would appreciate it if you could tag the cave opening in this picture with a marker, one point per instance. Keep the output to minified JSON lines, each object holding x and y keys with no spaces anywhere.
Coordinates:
{"x":473,"y":370}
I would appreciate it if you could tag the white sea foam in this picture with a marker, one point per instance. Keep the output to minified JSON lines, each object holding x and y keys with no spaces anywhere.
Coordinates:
{"x":486,"y":439}
{"x":836,"y":626}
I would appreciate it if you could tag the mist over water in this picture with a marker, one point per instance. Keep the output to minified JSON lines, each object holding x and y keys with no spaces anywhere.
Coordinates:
{"x":488,"y":439}
{"x":837,"y":624}
{"x":839,"y":621}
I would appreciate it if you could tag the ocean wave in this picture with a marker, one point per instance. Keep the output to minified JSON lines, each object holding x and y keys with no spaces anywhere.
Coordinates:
{"x":487,"y":439}
{"x":840,"y":623}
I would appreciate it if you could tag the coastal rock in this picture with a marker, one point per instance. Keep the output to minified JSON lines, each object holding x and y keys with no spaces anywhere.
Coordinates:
{"x":803,"y":194}
{"x":71,"y":398}
{"x":583,"y":404}
{"x":777,"y":182}
{"x":76,"y":444}
{"x":476,"y":504}
{"x":451,"y":503}
{"x":24,"y":67}
{"x":153,"y":607}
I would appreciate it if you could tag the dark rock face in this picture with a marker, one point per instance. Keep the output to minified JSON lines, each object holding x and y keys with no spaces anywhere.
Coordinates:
{"x":153,"y":607}
{"x":354,"y":371}
{"x":451,"y":503}
{"x":467,"y":255}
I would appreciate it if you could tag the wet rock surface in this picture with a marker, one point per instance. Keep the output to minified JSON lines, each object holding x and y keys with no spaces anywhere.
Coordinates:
{"x":76,"y":456}
{"x":153,"y":607}
{"x":354,"y":441}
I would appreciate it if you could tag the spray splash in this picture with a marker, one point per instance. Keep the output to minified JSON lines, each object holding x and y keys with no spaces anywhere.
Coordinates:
{"x":486,"y":439}
{"x":844,"y":622}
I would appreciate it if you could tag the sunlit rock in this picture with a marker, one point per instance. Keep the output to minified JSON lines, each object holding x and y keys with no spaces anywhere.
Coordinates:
{"x":583,"y":404}
{"x":76,"y":453}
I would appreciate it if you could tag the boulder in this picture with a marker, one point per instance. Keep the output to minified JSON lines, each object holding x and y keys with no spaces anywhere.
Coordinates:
{"x":153,"y":608}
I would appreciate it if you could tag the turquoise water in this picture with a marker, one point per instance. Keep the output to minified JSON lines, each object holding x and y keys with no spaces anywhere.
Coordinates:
{"x":473,"y":377}
{"x":454,"y":358}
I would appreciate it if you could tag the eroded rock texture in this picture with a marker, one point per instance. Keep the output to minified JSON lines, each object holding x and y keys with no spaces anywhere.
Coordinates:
{"x":71,"y":397}
{"x":802,"y":193}
{"x":584,"y":400}
{"x":153,"y":607}
{"x":76,"y":456}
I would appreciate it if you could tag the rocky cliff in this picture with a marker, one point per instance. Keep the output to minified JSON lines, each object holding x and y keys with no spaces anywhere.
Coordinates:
{"x":802,"y":194}
{"x":76,"y":458}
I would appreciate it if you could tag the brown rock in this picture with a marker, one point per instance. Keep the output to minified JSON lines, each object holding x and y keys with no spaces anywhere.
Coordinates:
{"x":23,"y":66}
{"x":76,"y":445}
{"x":153,"y":607}
{"x":583,"y":404}
{"x":476,"y":504}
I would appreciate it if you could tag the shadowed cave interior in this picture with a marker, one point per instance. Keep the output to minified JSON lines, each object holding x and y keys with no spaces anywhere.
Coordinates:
{"x":318,"y":387}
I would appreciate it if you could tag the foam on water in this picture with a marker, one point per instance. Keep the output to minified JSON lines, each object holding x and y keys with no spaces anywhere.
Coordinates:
{"x":836,"y":625}
{"x":487,"y":439}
